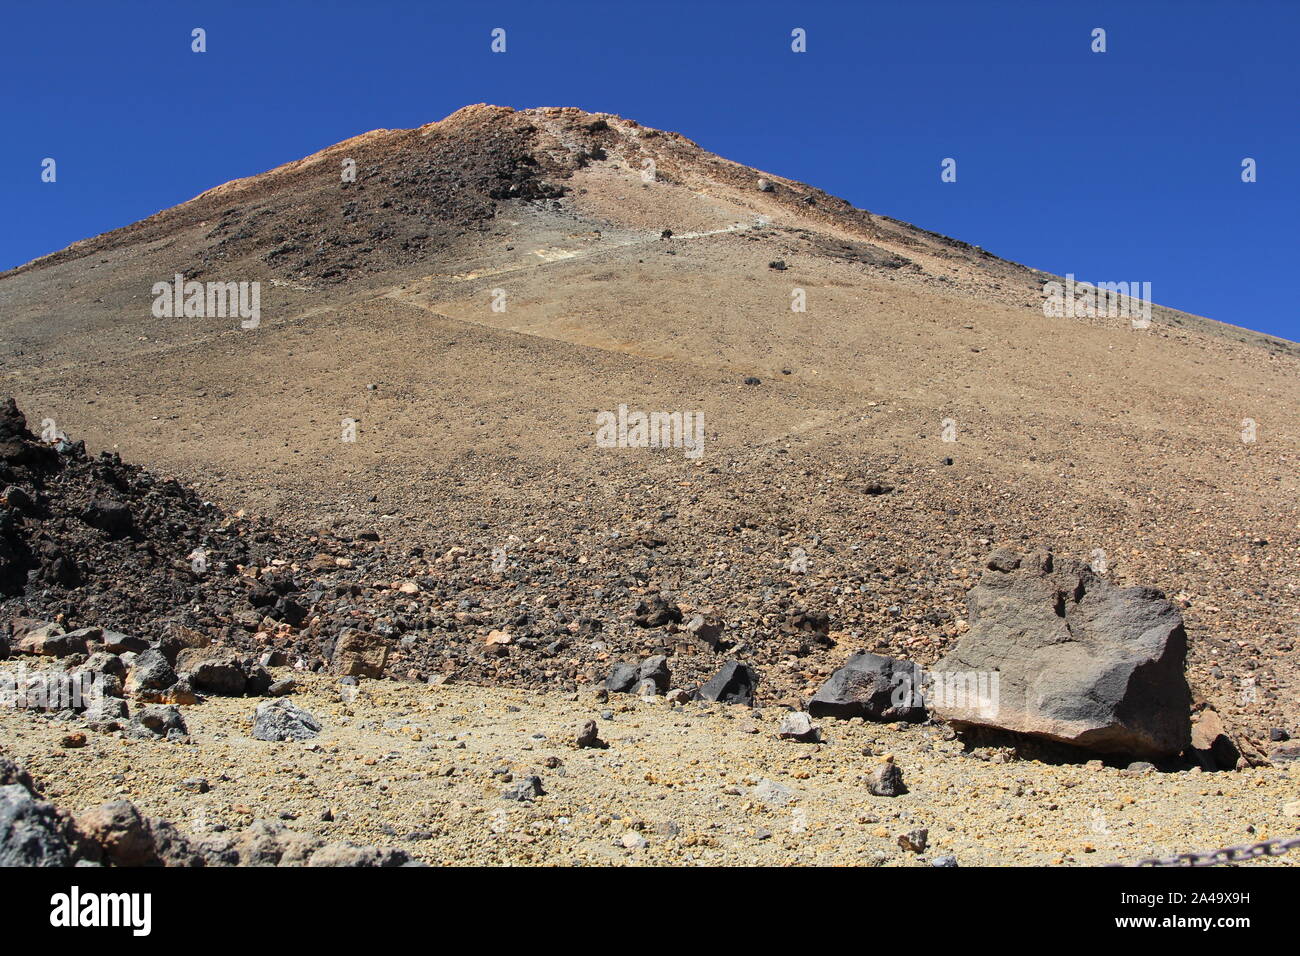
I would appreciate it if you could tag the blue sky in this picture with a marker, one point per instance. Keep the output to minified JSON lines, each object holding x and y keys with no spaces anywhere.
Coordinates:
{"x":1115,"y":166}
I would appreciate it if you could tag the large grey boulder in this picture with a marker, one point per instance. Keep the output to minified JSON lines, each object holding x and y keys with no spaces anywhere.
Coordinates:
{"x":1057,"y":652}
{"x":281,"y":719}
{"x":873,"y":687}
{"x":212,"y":671}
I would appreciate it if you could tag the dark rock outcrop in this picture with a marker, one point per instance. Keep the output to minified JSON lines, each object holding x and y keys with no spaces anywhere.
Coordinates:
{"x":1069,"y":657}
{"x":733,"y":684}
{"x":872,"y":687}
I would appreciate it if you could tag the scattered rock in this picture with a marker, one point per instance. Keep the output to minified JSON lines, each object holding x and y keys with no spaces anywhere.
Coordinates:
{"x":105,"y":710}
{"x":11,"y":774}
{"x":113,"y":517}
{"x":525,"y":790}
{"x":159,"y":721}
{"x":212,"y":671}
{"x":772,"y":793}
{"x":622,"y":678}
{"x":656,"y":611}
{"x":122,"y":832}
{"x":350,"y":855}
{"x":799,"y":726}
{"x":886,"y":780}
{"x":589,"y":736}
{"x":360,"y":654}
{"x":281,"y":720}
{"x":915,"y":841}
{"x":707,"y":630}
{"x":51,"y":641}
{"x":871,"y":687}
{"x":733,"y":684}
{"x":655,"y":670}
{"x":1284,"y":754}
{"x":151,"y":671}
{"x":32,"y":831}
{"x":117,"y":643}
{"x":1211,"y":746}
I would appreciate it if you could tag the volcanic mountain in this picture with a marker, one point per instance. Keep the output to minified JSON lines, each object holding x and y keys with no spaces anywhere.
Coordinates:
{"x":445,"y":312}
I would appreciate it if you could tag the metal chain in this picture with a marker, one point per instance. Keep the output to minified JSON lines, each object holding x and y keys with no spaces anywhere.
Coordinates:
{"x":1229,"y":854}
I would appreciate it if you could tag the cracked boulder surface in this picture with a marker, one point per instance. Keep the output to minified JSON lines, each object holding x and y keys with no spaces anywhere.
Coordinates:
{"x":1055,"y":651}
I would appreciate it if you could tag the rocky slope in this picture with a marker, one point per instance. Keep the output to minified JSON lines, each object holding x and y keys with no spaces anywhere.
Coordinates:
{"x":861,"y":458}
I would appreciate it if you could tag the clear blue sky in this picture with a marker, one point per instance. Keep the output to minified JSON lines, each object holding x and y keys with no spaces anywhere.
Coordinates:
{"x":1117,"y":166}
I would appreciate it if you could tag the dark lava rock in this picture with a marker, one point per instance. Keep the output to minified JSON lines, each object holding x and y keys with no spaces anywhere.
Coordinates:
{"x":655,"y":670}
{"x":260,"y":682}
{"x":116,"y":643}
{"x":656,"y":611}
{"x":104,"y":709}
{"x":622,"y":678}
{"x":107,"y":515}
{"x":32,"y":832}
{"x":11,"y":773}
{"x":872,"y":687}
{"x":47,"y":642}
{"x":213,"y":672}
{"x":733,"y":684}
